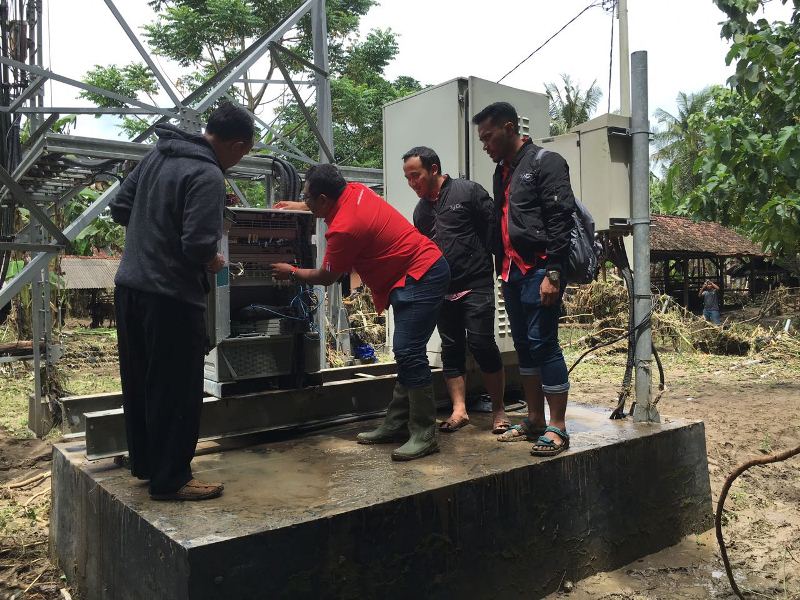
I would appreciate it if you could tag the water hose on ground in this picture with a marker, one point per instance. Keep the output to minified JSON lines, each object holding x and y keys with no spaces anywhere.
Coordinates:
{"x":765,"y":460}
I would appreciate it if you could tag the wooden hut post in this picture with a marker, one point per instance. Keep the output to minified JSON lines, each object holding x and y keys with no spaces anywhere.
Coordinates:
{"x":685,"y":266}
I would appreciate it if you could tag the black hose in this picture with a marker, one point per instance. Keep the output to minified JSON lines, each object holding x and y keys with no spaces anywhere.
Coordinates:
{"x":290,"y":182}
{"x":615,"y":251}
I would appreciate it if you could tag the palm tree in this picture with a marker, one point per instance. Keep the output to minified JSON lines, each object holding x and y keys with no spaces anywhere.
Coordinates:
{"x":573,"y":107}
{"x":678,"y":144}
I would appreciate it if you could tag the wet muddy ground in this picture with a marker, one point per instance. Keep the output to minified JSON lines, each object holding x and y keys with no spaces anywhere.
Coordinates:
{"x":750,"y":406}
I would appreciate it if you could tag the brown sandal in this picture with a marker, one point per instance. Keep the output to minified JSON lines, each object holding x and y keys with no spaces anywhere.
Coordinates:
{"x":452,"y":425}
{"x":194,"y":490}
{"x":500,"y":426}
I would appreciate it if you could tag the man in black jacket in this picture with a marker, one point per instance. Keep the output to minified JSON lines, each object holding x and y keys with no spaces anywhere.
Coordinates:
{"x":171,"y":205}
{"x":459,"y":216}
{"x":534,"y":205}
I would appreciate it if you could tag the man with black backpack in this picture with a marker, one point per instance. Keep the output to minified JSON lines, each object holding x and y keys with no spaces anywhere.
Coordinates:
{"x":535,"y":210}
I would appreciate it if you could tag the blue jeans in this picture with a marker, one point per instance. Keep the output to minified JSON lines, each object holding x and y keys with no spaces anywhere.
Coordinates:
{"x":711,"y":315}
{"x":416,"y":309}
{"x":534,"y":329}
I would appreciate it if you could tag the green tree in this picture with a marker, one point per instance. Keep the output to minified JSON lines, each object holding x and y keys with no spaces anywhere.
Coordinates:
{"x":102,"y":234}
{"x":358,"y":93}
{"x":571,"y":107}
{"x":133,"y":80}
{"x":750,"y":162}
{"x":204,"y":35}
{"x":678,"y":143}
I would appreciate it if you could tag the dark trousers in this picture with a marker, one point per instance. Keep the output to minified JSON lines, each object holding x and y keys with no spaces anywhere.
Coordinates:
{"x":416,"y":308}
{"x":472,"y":314}
{"x":162,"y":345}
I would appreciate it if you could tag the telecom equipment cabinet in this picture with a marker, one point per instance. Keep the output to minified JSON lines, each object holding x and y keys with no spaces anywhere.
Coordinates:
{"x":441,"y":117}
{"x":598,"y":153}
{"x":259,"y":327}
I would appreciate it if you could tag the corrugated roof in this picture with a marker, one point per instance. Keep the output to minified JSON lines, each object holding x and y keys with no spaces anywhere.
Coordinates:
{"x":681,"y":235}
{"x":88,"y":272}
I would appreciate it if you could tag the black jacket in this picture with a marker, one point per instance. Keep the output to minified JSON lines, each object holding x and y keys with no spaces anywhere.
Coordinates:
{"x":461,"y":222}
{"x":541,"y":205}
{"x":171,"y":205}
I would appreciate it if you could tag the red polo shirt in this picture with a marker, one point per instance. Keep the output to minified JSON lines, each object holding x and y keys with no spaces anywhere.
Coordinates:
{"x":368,"y":235}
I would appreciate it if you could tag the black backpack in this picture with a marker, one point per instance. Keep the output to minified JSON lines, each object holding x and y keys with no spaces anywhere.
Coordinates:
{"x":584,"y":250}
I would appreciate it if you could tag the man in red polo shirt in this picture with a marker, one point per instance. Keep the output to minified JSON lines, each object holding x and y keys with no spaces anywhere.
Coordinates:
{"x":403,"y":269}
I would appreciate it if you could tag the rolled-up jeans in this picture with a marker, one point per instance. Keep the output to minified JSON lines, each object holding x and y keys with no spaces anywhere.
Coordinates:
{"x":416,"y":309}
{"x":534,"y":329}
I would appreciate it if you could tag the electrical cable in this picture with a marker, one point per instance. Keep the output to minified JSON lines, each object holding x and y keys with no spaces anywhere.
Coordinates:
{"x":645,"y":322}
{"x":291,"y":183}
{"x":611,"y":58}
{"x":616,"y":253}
{"x":548,"y":40}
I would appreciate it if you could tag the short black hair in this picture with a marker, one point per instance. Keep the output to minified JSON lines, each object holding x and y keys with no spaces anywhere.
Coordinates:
{"x":231,"y":122}
{"x":500,"y":113}
{"x":325,"y":179}
{"x":427,"y":157}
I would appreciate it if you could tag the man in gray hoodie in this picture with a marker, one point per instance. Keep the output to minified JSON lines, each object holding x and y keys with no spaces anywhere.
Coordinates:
{"x":171,"y":205}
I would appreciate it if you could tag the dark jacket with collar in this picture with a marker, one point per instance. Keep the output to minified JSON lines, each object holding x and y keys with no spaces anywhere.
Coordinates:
{"x":541,"y":207}
{"x":461,"y":222}
{"x":171,"y":205}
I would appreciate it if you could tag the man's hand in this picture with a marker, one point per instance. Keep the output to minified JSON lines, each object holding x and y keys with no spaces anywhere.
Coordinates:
{"x":291,"y":205}
{"x":216,"y":264}
{"x":282,"y":271}
{"x":548,"y":292}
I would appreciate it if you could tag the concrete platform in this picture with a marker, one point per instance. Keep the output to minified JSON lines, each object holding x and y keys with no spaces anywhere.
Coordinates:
{"x":322,"y":517}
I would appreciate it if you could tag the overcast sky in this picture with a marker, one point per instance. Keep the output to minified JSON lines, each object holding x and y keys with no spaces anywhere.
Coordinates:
{"x":443,"y":39}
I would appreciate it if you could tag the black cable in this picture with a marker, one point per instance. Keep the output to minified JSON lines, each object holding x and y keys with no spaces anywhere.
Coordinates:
{"x":548,"y":40}
{"x":91,"y":164}
{"x":288,"y":176}
{"x":108,"y":174}
{"x":611,"y":59}
{"x":645,"y":322}
{"x":616,"y":253}
{"x":661,"y":378}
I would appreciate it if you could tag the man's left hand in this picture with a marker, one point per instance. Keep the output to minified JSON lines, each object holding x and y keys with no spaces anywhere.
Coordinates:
{"x":216,"y":264}
{"x":548,"y":292}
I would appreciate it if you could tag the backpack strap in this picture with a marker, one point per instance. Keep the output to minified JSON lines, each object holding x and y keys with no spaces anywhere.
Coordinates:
{"x":537,"y":160}
{"x":540,"y":154}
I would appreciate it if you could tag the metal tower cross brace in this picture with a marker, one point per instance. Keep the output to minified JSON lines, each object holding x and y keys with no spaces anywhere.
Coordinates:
{"x":56,"y":167}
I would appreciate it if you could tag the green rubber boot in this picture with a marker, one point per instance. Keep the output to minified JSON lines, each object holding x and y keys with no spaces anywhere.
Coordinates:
{"x":395,"y":424}
{"x":421,"y":425}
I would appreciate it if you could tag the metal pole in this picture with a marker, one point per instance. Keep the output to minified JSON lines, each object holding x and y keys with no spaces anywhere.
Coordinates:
{"x":319,"y":26}
{"x":35,"y":31}
{"x":640,"y":210}
{"x":624,"y":64}
{"x":39,"y":418}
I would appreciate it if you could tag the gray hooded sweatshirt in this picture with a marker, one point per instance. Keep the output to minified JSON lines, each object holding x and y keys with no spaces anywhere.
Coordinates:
{"x":171,"y":205}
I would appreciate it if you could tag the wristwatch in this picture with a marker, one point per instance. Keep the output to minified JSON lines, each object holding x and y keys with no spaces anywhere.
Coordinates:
{"x":293,"y":274}
{"x":554,"y":276}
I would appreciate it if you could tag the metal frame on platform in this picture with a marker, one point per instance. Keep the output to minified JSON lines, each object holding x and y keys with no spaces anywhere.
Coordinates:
{"x":57,"y":167}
